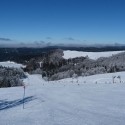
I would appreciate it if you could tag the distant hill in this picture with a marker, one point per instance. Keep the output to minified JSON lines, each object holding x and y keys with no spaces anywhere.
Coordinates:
{"x":24,"y":54}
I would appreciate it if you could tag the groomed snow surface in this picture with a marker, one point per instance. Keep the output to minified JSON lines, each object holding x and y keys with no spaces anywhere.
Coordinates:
{"x":92,"y":55}
{"x":94,"y":100}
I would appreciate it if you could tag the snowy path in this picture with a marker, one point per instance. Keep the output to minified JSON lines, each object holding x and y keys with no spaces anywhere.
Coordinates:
{"x":66,"y":103}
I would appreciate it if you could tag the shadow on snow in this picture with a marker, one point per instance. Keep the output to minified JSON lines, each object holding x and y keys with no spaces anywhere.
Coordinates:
{"x":10,"y":104}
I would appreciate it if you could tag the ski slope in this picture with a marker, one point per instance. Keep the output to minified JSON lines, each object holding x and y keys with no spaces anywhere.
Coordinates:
{"x":92,"y":55}
{"x":94,"y":100}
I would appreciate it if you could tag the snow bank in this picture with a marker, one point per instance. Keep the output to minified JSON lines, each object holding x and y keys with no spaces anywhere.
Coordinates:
{"x":92,"y":55}
{"x":11,"y":64}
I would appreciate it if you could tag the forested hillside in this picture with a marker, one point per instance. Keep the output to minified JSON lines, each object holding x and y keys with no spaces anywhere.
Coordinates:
{"x":53,"y":66}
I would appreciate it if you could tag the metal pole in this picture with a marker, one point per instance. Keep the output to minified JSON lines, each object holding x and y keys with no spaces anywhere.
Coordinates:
{"x":23,"y":96}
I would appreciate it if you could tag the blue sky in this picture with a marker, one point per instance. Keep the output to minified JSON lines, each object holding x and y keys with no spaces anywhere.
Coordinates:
{"x":62,"y":21}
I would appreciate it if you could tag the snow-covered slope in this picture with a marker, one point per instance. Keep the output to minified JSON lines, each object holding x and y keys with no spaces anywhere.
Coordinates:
{"x":11,"y":64}
{"x":92,"y":55}
{"x":95,"y":100}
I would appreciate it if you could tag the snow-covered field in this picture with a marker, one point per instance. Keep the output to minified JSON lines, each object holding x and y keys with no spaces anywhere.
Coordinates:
{"x":11,"y":64}
{"x":94,"y":100}
{"x":92,"y":55}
